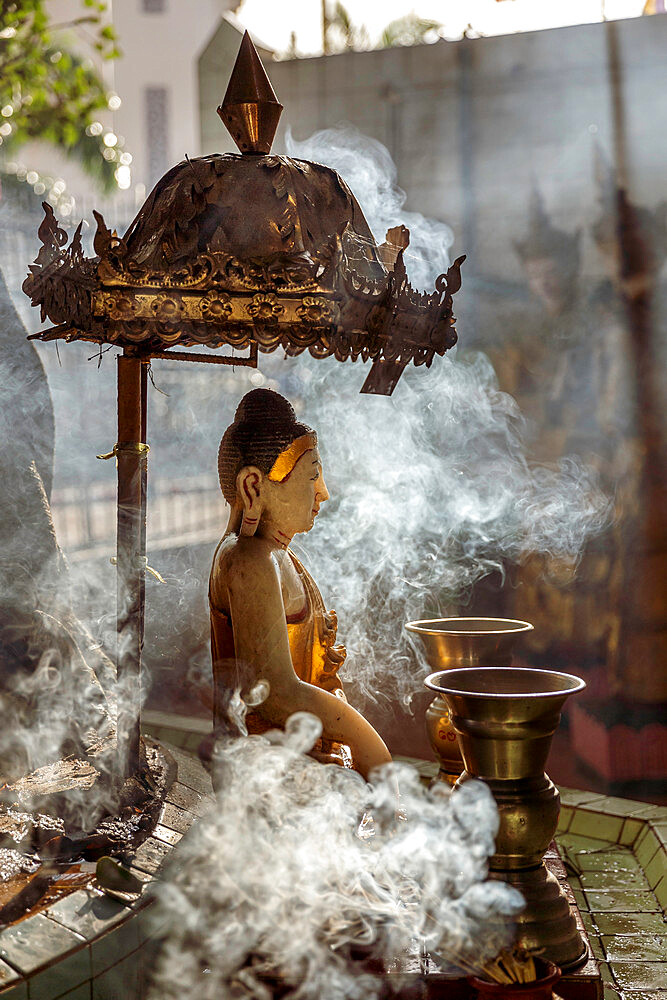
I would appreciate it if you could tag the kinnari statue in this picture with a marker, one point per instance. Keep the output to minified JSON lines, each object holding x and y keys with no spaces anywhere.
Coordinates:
{"x":268,"y":620}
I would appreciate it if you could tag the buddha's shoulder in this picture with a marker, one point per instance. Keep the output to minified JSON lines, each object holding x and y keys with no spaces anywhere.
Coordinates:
{"x":238,"y":554}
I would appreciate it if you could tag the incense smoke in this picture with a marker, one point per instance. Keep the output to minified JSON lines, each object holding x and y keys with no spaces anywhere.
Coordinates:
{"x":431,"y":488}
{"x":368,"y":169}
{"x":306,"y":876}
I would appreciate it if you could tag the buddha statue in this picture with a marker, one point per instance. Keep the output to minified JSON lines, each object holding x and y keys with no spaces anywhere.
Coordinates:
{"x":268,"y":620}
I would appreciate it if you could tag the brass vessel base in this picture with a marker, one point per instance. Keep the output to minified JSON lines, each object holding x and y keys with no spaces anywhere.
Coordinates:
{"x":547,"y":923}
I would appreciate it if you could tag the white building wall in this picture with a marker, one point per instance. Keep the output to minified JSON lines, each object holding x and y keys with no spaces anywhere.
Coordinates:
{"x":160,"y":42}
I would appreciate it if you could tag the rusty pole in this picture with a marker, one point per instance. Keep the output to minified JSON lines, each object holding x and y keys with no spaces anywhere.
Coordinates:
{"x":131,"y":452}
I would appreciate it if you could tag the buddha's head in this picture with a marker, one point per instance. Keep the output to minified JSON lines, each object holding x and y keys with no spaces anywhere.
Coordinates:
{"x":270,"y":469}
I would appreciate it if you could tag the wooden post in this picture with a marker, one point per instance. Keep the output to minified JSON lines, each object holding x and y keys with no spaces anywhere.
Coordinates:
{"x":131,"y":554}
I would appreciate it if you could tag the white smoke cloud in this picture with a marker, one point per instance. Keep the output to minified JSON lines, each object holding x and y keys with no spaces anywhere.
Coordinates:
{"x":300,"y":868}
{"x":431,"y":491}
{"x":368,"y":169}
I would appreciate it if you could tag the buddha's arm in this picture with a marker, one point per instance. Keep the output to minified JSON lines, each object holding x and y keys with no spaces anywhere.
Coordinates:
{"x":261,"y":644}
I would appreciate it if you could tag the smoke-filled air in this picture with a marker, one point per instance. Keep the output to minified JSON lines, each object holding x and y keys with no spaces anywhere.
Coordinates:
{"x":307,"y":876}
{"x":431,"y":488}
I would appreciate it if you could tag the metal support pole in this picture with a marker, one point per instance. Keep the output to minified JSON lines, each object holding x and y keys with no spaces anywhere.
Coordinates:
{"x":131,"y":453}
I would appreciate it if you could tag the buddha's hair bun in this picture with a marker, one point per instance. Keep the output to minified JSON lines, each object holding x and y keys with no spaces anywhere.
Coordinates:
{"x":264,"y":425}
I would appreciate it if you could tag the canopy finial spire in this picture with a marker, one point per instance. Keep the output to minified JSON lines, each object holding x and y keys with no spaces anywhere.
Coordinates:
{"x":250,"y":109}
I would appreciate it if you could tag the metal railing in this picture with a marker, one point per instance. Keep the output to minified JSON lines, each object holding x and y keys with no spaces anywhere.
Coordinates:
{"x":180,"y":512}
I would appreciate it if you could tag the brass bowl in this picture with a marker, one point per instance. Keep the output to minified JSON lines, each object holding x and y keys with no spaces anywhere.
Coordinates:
{"x":468,"y":642}
{"x":461,"y":642}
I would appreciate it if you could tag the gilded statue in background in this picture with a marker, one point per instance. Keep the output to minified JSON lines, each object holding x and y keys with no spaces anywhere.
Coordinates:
{"x":268,"y":620}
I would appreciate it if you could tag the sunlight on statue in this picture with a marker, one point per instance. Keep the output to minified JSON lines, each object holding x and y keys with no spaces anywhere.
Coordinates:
{"x":269,"y":626}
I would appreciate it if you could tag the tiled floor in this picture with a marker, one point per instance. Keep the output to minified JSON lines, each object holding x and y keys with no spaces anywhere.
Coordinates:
{"x":616,"y":855}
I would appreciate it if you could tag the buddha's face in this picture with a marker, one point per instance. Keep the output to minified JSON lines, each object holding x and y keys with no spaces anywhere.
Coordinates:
{"x":292,"y":505}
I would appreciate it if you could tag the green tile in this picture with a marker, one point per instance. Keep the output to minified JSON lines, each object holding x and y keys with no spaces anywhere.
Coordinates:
{"x":629,"y":923}
{"x":595,"y":879}
{"x":615,"y":806}
{"x":192,"y":741}
{"x":596,"y":947}
{"x":660,"y":830}
{"x":661,"y":892}
{"x":631,"y":830}
{"x":184,"y":797}
{"x":7,"y":975}
{"x":646,"y":847}
{"x":577,"y":843}
{"x":114,"y":946}
{"x":587,"y":823}
{"x":573,"y":879}
{"x":608,"y":881}
{"x":575,"y":796}
{"x":640,"y":902}
{"x":18,"y":992}
{"x":635,"y":947}
{"x":609,"y":993}
{"x":165,"y":835}
{"x":644,"y":994}
{"x":151,"y":855}
{"x":59,"y":977}
{"x":652,"y":812}
{"x":588,"y":922}
{"x":640,"y":975}
{"x":170,"y":736}
{"x":176,"y":819}
{"x":88,"y":913}
{"x":582,"y":902}
{"x":606,"y":974}
{"x":83,"y":992}
{"x":121,"y":981}
{"x":36,"y":941}
{"x":191,"y":771}
{"x":656,"y":869}
{"x":609,"y":861}
{"x":571,"y":860}
{"x":564,"y":818}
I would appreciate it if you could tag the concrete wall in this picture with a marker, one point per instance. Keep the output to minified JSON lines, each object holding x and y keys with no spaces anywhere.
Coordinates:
{"x":473,"y":124}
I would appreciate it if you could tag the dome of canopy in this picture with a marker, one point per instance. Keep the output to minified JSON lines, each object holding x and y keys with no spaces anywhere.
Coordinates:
{"x":247,"y":250}
{"x":249,"y":207}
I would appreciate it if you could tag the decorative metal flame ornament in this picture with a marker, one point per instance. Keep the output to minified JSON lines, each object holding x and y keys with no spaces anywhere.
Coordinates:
{"x":461,"y":642}
{"x":505,"y":718}
{"x":249,"y":250}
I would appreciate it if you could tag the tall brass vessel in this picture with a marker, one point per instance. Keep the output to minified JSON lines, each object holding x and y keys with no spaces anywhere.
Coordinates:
{"x":461,"y":642}
{"x":505,"y":718}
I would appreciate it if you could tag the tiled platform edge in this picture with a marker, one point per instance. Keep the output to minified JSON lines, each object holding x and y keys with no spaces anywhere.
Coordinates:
{"x":87,"y":946}
{"x":616,"y":854}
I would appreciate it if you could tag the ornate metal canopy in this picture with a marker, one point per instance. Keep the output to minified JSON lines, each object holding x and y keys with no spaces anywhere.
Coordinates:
{"x":246,"y":249}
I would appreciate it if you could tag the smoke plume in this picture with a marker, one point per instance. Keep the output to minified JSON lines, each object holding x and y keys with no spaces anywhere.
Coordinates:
{"x":306,"y":876}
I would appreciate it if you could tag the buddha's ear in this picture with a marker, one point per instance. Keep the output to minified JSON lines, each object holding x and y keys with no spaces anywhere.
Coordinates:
{"x":249,"y":493}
